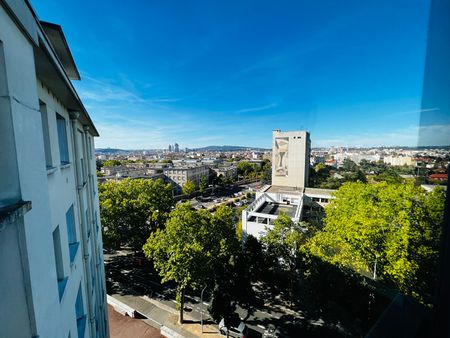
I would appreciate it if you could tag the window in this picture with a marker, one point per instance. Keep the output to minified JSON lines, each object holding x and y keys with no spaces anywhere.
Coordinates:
{"x":89,"y":146}
{"x":62,"y":279}
{"x":62,"y":139}
{"x":46,"y":135}
{"x":79,"y":311}
{"x":71,"y":233}
{"x":79,"y":144}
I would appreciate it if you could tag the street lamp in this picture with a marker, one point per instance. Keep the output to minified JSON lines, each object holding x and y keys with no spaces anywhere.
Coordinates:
{"x":201,"y":307}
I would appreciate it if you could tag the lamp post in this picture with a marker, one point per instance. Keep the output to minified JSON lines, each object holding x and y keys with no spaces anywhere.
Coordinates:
{"x":201,"y":307}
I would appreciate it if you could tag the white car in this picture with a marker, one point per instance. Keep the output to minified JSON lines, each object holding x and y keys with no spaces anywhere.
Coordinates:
{"x":239,"y":331}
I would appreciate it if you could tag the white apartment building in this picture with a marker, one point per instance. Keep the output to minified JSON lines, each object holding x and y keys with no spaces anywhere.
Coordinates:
{"x":51,"y":263}
{"x":400,"y":160}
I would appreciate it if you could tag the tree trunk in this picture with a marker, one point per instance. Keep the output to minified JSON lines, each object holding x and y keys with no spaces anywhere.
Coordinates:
{"x":181,"y":317}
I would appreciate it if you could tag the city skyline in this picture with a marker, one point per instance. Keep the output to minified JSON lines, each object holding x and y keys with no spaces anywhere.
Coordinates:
{"x":205,"y":74}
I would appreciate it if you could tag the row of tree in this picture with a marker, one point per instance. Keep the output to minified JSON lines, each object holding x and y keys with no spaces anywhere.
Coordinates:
{"x":388,"y":232}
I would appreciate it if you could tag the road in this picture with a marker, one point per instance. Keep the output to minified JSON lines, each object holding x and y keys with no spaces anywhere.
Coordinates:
{"x":126,"y":277}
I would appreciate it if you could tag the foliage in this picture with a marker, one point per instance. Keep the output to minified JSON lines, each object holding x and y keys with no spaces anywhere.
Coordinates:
{"x":111,"y":163}
{"x":188,"y":188}
{"x":387,"y":231}
{"x":131,"y":209}
{"x":390,"y":176}
{"x":266,"y":177}
{"x":250,"y":170}
{"x":349,"y":165}
{"x":192,"y":247}
{"x":282,"y":243}
{"x":234,"y":281}
{"x":203,"y":184}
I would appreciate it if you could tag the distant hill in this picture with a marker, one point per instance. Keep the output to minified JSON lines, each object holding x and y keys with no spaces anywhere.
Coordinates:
{"x":229,"y":148}
{"x":111,"y":151}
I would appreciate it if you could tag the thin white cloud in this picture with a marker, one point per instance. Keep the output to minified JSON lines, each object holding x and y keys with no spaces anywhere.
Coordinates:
{"x":255,"y":109}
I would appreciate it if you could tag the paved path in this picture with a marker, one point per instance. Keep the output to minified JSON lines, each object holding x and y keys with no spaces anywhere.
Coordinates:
{"x":160,"y":315}
{"x":124,"y":327}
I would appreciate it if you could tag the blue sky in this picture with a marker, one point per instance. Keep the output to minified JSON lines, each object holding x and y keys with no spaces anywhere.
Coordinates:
{"x":229,"y":72}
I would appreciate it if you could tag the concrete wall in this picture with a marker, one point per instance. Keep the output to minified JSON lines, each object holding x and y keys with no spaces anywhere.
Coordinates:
{"x":291,"y":169}
{"x":29,"y":285}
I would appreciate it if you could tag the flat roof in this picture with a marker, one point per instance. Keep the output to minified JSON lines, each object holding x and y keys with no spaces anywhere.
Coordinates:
{"x":275,"y":209}
{"x":277,"y":189}
{"x":317,"y":191}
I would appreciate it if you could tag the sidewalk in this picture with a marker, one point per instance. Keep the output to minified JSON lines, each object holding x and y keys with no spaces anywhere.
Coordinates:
{"x":165,"y":318}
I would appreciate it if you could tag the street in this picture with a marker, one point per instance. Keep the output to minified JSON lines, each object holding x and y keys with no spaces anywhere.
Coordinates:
{"x":128,"y":274}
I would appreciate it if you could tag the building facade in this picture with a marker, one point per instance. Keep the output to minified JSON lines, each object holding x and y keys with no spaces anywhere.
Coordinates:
{"x":290,"y":158}
{"x":51,"y":262}
{"x":178,"y":176}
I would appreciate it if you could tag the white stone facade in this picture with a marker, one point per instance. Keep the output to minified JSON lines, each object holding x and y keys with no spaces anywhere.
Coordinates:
{"x":290,"y":158}
{"x":51,"y":261}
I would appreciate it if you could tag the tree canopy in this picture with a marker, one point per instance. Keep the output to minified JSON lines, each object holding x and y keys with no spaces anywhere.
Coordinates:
{"x":111,"y":163}
{"x":192,"y":246}
{"x":131,"y":209}
{"x":283,"y":242}
{"x":388,"y":231}
{"x":188,"y":188}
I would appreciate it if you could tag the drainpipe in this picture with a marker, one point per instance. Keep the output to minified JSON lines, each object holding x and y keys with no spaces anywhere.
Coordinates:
{"x":80,"y":185}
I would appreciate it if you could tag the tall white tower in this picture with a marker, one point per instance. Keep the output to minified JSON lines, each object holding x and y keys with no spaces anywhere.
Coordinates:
{"x":290,"y":158}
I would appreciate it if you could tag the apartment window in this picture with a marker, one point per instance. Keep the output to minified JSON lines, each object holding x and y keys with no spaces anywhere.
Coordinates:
{"x":89,"y":146}
{"x":71,"y":233}
{"x":79,"y":143}
{"x":46,"y":135}
{"x":62,"y":279}
{"x":79,"y":311}
{"x":62,"y":139}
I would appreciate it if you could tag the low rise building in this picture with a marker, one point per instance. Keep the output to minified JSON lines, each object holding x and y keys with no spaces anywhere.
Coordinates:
{"x":229,"y":172}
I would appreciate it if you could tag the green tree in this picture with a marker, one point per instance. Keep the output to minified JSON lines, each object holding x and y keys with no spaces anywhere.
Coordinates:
{"x":284,"y":241}
{"x":131,"y":209}
{"x":194,"y":245}
{"x":389,"y":175}
{"x":203,"y":184}
{"x":188,"y":188}
{"x":111,"y":163}
{"x":389,"y":232}
{"x":349,"y":165}
{"x":266,"y":177}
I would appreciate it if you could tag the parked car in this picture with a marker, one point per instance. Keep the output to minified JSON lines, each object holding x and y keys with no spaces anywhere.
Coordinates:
{"x":239,"y":331}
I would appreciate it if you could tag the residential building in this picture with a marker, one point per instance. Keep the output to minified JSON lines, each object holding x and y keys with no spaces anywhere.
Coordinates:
{"x":52,"y":282}
{"x":399,"y":160}
{"x":178,"y":176}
